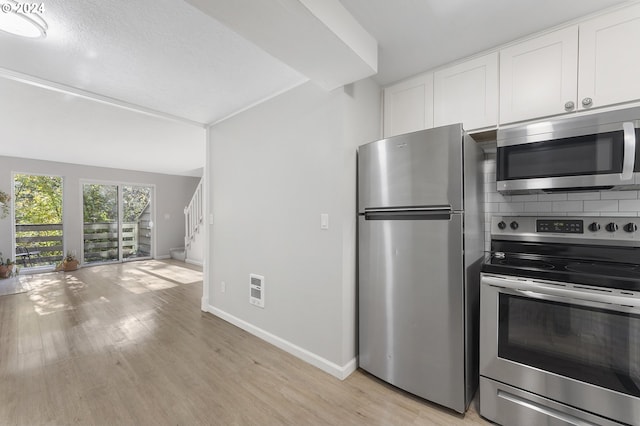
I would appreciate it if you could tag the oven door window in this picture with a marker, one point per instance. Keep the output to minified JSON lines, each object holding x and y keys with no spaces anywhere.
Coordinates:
{"x":592,"y":345}
{"x":577,"y":156}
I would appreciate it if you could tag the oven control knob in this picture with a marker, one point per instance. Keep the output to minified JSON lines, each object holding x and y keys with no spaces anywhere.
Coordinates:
{"x":502,"y":225}
{"x":631,"y":227}
{"x":514,"y":225}
{"x":594,"y":227}
{"x":611,"y":227}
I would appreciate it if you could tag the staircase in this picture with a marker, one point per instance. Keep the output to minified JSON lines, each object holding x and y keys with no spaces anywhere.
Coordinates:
{"x":178,"y":253}
{"x":194,"y":227}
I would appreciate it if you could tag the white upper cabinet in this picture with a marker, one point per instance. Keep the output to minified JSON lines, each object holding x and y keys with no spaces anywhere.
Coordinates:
{"x":589,"y":65}
{"x":408,"y":106}
{"x":538,"y":77}
{"x":467,"y":93}
{"x":609,"y":67}
{"x":593,"y":64}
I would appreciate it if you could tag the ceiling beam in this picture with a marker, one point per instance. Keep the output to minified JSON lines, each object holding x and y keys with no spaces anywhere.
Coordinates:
{"x":318,"y":38}
{"x":74,"y":91}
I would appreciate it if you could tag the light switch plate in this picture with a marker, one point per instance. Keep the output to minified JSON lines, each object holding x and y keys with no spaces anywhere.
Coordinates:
{"x":324,"y":221}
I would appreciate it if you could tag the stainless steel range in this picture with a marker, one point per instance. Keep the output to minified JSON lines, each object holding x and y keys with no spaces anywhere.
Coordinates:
{"x":560,"y":321}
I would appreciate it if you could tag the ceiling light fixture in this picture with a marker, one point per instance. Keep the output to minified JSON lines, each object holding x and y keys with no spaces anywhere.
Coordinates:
{"x":23,"y":19}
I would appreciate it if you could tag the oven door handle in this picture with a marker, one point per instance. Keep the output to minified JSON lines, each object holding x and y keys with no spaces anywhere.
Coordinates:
{"x":629,"y":156}
{"x":532,"y":288}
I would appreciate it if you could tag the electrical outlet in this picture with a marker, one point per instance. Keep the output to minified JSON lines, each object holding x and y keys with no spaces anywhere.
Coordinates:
{"x":223,"y":287}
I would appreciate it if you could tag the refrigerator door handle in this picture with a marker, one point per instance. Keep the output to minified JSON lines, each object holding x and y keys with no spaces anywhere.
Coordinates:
{"x":430,"y":212}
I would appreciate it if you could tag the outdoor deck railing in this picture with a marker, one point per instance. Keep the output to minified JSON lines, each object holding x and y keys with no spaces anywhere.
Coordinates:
{"x":44,"y":240}
{"x":100,"y":242}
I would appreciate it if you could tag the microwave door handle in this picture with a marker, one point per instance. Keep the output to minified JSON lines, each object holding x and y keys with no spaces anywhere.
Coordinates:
{"x":628,"y":163}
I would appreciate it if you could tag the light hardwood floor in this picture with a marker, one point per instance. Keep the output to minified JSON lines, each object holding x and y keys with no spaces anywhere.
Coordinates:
{"x":128,"y":345}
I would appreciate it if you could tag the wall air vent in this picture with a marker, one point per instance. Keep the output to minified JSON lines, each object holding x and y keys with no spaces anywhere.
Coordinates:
{"x":256,"y":290}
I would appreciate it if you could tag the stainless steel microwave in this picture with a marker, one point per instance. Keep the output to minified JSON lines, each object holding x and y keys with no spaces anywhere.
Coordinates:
{"x":586,"y":153}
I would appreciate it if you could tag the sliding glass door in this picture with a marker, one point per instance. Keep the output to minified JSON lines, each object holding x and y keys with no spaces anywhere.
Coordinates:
{"x":100,"y":231}
{"x":137,"y":222}
{"x":117,"y":222}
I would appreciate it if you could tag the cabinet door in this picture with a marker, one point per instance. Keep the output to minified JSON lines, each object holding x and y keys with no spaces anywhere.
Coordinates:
{"x":610,"y":59}
{"x":408,"y":106}
{"x":467,"y":93}
{"x":538,"y":77}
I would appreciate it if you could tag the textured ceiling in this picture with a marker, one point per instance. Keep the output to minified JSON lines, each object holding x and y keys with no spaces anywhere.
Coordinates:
{"x":162,"y":54}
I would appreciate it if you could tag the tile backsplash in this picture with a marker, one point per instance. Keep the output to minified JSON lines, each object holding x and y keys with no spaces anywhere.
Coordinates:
{"x":596,"y":203}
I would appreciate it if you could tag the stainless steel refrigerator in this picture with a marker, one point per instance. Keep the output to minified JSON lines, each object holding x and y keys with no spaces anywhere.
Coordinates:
{"x":420,"y":248}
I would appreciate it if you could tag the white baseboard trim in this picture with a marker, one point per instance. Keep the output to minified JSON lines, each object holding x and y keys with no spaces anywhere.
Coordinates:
{"x":163,"y":256}
{"x":194,"y":262}
{"x":341,"y":372}
{"x":204,"y":305}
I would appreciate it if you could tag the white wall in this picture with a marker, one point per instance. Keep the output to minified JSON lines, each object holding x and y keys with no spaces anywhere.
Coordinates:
{"x":172,"y":195}
{"x":273,"y":170}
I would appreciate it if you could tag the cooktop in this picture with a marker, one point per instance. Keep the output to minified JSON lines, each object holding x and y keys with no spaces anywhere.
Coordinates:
{"x":598,"y":251}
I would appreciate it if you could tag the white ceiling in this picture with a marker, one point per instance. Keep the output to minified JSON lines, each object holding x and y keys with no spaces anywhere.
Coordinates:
{"x":162,"y":69}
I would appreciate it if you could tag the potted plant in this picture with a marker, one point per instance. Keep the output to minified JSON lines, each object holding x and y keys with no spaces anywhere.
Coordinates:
{"x":69,"y":263}
{"x":6,"y":267}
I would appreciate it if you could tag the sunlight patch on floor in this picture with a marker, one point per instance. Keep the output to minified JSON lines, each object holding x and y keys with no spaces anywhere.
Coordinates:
{"x":174,"y":273}
{"x":138,"y":282}
{"x":47,"y":291}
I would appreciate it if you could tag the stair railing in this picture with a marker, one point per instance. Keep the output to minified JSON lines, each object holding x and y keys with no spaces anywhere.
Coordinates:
{"x":193,"y":215}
